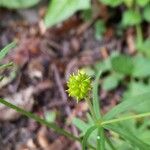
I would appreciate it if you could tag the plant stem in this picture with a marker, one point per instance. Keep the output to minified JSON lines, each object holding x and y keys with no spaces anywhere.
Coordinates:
{"x":96,"y":101}
{"x":99,"y":138}
{"x":40,"y":120}
{"x":91,"y":109}
{"x":139,"y":35}
{"x":87,"y":135}
{"x":102,"y":136}
{"x":125,"y":118}
{"x":101,"y":141}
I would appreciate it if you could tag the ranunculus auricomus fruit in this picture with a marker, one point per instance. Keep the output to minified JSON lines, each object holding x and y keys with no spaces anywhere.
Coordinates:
{"x":79,"y":85}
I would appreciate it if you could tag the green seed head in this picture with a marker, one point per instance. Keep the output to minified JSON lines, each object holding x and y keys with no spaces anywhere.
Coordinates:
{"x":79,"y":85}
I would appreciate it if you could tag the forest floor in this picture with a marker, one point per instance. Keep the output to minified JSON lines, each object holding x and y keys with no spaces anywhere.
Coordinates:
{"x":44,"y":60}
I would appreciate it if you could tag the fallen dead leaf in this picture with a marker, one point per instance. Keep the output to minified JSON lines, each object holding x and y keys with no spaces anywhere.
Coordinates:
{"x":130,"y":42}
{"x":58,"y":144}
{"x":31,"y":144}
{"x":23,"y":99}
{"x":42,"y":137}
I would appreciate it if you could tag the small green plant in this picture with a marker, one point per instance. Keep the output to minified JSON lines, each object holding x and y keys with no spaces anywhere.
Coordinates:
{"x":99,"y":125}
{"x":4,"y":52}
{"x":136,"y":12}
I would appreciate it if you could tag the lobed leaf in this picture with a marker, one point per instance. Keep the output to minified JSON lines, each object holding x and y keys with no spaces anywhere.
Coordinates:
{"x":131,"y":18}
{"x":122,"y":64}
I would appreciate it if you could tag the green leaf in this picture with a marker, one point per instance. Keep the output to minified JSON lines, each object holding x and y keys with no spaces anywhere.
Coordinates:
{"x":131,"y":18}
{"x":6,"y":49}
{"x":81,"y":125}
{"x":16,"y":4}
{"x":100,"y":29}
{"x":87,"y":14}
{"x":145,"y":135}
{"x":84,"y":126}
{"x":136,"y":89}
{"x":112,"y":3}
{"x":90,"y":119}
{"x":122,"y":64}
{"x":144,"y":47}
{"x":129,"y":3}
{"x":1,"y":78}
{"x":141,"y":130}
{"x":50,"y":116}
{"x":86,"y":136}
{"x":141,"y":67}
{"x":146,"y":13}
{"x":89,"y":71}
{"x":142,"y":3}
{"x":135,"y":102}
{"x":104,"y":65}
{"x":111,"y":82}
{"x":124,"y":132}
{"x":10,"y":64}
{"x":60,"y":10}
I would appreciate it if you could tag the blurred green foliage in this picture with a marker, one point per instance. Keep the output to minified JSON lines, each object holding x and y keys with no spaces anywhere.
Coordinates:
{"x":118,"y":67}
{"x":60,"y":10}
{"x":18,"y":4}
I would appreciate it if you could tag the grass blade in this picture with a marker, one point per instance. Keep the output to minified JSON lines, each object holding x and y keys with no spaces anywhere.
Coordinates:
{"x":10,"y":64}
{"x":6,"y":49}
{"x":86,"y":136}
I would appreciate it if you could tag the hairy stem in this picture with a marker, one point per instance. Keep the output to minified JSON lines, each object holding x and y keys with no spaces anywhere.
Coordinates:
{"x":91,"y":109}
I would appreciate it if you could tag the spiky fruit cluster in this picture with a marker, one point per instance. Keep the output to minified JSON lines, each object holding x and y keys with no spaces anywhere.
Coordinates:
{"x":79,"y":85}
